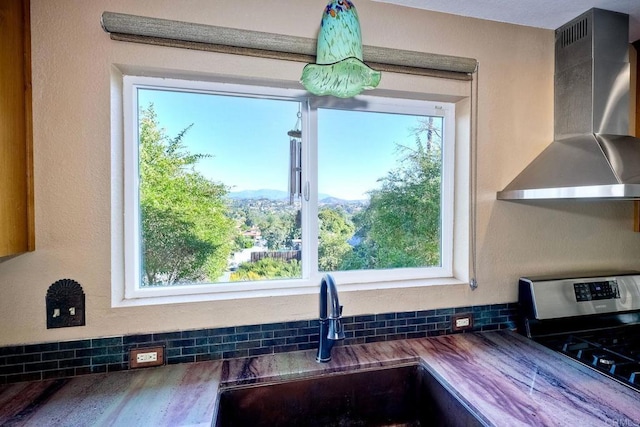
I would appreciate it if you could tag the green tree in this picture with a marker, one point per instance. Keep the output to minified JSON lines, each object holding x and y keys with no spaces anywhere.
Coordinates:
{"x":186,"y":231}
{"x":242,"y":242}
{"x":335,"y":231}
{"x":401,"y":225}
{"x":278,"y":229}
{"x":267,"y":268}
{"x":274,"y":231}
{"x":294,"y":235}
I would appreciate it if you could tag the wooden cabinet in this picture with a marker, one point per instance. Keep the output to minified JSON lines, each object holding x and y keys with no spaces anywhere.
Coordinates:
{"x":16,"y":180}
{"x":636,"y":204}
{"x":636,"y":44}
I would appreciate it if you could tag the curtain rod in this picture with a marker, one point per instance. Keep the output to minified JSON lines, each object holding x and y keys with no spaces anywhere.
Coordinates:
{"x":186,"y":35}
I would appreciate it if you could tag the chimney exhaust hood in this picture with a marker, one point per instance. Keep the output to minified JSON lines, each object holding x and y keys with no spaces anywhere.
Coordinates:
{"x":591,"y":157}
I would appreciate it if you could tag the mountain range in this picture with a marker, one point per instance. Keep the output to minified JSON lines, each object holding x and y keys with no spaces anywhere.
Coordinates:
{"x":276,"y":195}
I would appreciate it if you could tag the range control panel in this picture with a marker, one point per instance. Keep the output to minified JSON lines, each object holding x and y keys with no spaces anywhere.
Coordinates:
{"x":591,"y":291}
{"x":552,"y":297}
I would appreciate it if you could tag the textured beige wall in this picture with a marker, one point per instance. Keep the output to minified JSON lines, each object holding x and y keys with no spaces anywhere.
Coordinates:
{"x":73,"y":59}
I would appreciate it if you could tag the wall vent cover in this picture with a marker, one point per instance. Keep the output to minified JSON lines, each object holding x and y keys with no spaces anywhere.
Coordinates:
{"x":575,"y":32}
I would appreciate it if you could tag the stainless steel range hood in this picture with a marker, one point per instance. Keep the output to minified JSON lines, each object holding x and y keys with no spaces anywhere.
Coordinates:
{"x":591,"y":157}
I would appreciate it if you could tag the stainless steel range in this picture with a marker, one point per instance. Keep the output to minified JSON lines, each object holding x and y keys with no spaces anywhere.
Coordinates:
{"x":592,"y":318}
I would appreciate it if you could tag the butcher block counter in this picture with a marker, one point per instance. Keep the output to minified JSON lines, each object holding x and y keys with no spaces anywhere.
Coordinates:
{"x":501,"y":375}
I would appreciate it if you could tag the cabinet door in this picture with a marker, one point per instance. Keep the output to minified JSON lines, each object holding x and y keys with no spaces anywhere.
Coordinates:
{"x":16,"y":184}
{"x":635,"y":66}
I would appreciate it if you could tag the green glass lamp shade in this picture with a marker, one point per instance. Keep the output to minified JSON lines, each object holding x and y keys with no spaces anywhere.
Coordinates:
{"x":339,"y":70}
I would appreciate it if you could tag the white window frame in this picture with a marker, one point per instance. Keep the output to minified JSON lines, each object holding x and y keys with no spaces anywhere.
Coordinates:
{"x":126,"y":235}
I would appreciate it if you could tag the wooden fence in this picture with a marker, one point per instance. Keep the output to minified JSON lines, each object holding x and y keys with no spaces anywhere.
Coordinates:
{"x":280,"y":255}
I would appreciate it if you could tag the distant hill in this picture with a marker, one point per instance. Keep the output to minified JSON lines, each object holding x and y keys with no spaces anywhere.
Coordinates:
{"x":259,"y":194}
{"x":276,"y":195}
{"x":328,"y":200}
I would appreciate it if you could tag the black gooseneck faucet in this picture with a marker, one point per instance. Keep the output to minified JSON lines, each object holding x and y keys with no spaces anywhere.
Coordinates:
{"x":330,"y":326}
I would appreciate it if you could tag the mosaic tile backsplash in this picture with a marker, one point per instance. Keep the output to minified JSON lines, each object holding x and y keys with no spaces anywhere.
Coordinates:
{"x":72,"y":358}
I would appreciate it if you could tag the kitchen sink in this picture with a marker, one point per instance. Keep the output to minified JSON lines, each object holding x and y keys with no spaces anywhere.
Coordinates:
{"x":405,"y":395}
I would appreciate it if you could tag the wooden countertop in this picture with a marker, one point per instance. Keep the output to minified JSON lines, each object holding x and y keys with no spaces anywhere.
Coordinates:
{"x":510,"y":380}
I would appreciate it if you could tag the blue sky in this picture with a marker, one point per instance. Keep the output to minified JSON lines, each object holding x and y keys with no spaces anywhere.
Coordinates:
{"x":248,"y":141}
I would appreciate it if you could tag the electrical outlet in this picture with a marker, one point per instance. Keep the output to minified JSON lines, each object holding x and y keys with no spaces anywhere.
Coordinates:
{"x":145,"y":357}
{"x":461,"y":322}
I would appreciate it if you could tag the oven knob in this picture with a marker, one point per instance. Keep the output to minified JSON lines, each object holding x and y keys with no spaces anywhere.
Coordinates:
{"x":606,"y":362}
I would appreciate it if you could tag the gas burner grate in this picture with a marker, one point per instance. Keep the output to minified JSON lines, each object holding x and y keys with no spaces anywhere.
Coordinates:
{"x":612,"y":353}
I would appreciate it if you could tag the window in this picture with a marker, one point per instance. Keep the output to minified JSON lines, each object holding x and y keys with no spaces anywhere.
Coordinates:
{"x":236,"y":190}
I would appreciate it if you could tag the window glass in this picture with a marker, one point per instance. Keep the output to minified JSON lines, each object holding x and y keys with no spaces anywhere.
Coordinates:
{"x":214,"y":200}
{"x":379,"y":180}
{"x":233,"y":189}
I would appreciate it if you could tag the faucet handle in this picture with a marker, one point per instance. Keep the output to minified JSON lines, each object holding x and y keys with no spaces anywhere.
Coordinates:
{"x":336,"y":331}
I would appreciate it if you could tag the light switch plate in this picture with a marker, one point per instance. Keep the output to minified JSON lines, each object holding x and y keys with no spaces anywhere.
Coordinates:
{"x":65,"y":304}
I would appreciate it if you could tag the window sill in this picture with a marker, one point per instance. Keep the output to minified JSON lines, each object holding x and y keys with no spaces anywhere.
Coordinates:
{"x":191,"y":295}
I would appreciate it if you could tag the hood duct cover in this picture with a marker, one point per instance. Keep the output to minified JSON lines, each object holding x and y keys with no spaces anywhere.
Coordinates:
{"x":591,"y":157}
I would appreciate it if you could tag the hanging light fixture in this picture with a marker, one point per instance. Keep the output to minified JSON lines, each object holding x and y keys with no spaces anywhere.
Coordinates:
{"x":339,"y":69}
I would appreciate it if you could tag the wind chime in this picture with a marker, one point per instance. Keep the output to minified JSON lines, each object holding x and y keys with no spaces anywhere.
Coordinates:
{"x":295,"y":161}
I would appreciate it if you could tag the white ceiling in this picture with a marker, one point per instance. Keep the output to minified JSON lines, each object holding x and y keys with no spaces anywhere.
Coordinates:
{"x":549,"y":14}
